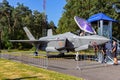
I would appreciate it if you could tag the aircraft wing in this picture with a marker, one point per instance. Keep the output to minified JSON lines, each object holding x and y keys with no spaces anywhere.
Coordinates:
{"x":36,"y":41}
{"x":26,"y":41}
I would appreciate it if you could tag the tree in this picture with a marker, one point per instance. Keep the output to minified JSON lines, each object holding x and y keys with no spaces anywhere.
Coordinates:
{"x":5,"y":22}
{"x":84,"y":9}
{"x":13,"y":20}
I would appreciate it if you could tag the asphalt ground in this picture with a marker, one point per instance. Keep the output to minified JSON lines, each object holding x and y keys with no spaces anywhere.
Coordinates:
{"x":86,"y":69}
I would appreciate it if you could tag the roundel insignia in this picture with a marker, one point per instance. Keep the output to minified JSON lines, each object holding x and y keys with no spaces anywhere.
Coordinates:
{"x":60,"y":43}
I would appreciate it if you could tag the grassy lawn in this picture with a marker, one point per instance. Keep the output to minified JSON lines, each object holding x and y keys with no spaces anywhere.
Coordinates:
{"x":10,"y":70}
{"x":87,"y":52}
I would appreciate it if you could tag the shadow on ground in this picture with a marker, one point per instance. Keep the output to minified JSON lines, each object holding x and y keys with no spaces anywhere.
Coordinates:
{"x":72,"y":56}
{"x":21,"y":78}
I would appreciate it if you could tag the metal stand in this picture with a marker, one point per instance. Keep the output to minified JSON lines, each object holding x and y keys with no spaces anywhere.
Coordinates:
{"x":77,"y":59}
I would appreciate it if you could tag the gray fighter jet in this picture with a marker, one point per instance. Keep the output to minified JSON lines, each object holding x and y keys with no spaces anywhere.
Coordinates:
{"x":65,"y":42}
{"x":62,"y":43}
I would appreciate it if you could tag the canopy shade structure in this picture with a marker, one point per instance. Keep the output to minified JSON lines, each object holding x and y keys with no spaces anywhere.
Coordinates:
{"x":84,"y":25}
{"x":100,"y":16}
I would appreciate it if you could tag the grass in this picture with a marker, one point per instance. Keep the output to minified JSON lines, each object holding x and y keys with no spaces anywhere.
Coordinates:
{"x":10,"y":70}
{"x":42,"y":54}
{"x":89,"y":51}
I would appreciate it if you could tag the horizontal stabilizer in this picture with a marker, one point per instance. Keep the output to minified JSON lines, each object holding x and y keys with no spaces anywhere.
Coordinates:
{"x":49,"y":32}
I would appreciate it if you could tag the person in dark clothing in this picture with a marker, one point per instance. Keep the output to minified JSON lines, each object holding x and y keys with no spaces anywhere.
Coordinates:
{"x":103,"y":50}
{"x":114,"y":52}
{"x":95,"y":47}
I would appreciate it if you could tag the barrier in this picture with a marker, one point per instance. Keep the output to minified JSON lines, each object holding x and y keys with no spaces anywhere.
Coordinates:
{"x":53,"y":61}
{"x":40,"y":61}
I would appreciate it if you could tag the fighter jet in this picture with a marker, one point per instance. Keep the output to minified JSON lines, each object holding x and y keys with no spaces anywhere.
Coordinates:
{"x":65,"y":42}
{"x":62,"y":43}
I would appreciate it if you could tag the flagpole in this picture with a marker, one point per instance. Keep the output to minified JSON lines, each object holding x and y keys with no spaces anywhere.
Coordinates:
{"x":44,"y":11}
{"x":44,"y":6}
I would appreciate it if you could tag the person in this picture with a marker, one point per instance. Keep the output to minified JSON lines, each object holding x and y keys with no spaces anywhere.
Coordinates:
{"x":114,"y":52}
{"x":103,"y":51}
{"x":95,"y":47}
{"x":82,"y":33}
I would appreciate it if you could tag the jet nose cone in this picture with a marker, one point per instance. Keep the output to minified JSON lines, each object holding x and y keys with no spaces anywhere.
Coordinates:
{"x":94,"y":39}
{"x":107,"y":39}
{"x":101,"y":39}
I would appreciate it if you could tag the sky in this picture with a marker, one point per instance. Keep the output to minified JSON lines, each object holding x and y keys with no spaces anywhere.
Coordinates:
{"x":54,"y":8}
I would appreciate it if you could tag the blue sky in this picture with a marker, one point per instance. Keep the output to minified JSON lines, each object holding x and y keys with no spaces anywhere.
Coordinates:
{"x":54,"y":8}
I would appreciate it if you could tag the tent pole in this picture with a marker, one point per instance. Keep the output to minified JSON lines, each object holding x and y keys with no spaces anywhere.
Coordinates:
{"x":101,"y":27}
{"x":110,"y":33}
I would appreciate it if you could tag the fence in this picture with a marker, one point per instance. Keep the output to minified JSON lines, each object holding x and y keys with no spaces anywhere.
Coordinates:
{"x":40,"y":61}
{"x":52,"y":61}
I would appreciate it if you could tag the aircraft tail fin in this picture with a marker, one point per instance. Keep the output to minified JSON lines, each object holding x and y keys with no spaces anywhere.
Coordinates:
{"x":29,"y":35}
{"x":49,"y":32}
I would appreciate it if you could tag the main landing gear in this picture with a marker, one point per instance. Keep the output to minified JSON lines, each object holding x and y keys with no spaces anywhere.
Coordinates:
{"x":61,"y":54}
{"x":36,"y":53}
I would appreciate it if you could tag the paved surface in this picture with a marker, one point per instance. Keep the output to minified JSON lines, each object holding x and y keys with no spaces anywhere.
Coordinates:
{"x":89,"y":70}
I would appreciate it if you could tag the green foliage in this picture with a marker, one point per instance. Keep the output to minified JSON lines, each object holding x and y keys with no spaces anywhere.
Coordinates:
{"x":84,"y":9}
{"x":13,"y":19}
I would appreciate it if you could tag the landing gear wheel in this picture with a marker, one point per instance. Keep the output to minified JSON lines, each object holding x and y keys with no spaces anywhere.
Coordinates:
{"x":36,"y":53}
{"x":61,"y":54}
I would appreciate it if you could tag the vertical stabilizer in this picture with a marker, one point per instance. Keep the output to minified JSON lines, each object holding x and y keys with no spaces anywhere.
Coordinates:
{"x":49,"y":32}
{"x":29,"y":35}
